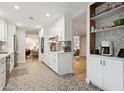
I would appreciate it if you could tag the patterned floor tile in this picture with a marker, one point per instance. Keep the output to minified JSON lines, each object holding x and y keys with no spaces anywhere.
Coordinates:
{"x":36,"y":76}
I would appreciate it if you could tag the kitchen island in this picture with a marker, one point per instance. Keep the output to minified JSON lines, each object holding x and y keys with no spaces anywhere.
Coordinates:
{"x":60,"y":62}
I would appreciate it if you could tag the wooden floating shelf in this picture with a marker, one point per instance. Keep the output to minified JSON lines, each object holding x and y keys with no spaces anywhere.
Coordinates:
{"x":108,"y":29}
{"x":108,"y":13}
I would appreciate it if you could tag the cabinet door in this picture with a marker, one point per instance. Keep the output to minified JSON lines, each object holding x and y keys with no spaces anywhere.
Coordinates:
{"x":61,"y":29}
{"x":55,"y":63}
{"x":113,"y":76}
{"x":96,"y":71}
{"x":3,"y":30}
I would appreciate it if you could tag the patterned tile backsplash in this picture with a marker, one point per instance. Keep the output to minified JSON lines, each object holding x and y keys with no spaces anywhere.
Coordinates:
{"x":117,"y":36}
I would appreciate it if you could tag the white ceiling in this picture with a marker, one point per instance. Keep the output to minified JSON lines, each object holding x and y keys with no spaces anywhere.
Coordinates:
{"x":38,"y":10}
{"x":79,"y":24}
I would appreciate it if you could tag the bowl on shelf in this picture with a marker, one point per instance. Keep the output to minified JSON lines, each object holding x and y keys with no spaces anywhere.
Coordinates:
{"x":119,"y":22}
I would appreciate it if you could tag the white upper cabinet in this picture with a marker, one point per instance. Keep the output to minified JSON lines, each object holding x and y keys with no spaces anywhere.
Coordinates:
{"x":65,"y":28}
{"x":3,"y":30}
{"x":62,"y":28}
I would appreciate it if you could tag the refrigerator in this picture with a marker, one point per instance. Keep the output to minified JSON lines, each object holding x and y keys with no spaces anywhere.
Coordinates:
{"x":15,"y":51}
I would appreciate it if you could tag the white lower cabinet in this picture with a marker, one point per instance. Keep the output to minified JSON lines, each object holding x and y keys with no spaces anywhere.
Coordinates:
{"x":2,"y":73}
{"x":54,"y":62}
{"x":107,"y":73}
{"x":97,"y":71}
{"x":113,"y":75}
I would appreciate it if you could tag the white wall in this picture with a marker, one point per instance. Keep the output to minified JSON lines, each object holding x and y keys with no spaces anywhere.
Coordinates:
{"x":21,"y":44}
{"x":31,"y":42}
{"x":88,"y":73}
{"x":41,"y":34}
{"x":11,"y":32}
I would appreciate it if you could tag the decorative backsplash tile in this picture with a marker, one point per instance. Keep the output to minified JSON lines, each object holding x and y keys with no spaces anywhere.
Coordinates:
{"x":117,"y":36}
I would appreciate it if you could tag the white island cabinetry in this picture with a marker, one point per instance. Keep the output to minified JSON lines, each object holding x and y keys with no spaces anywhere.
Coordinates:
{"x":60,"y":62}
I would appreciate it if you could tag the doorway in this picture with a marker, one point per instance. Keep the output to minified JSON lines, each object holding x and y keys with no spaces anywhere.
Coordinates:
{"x":79,"y":32}
{"x":80,"y":57}
{"x":32,"y":48}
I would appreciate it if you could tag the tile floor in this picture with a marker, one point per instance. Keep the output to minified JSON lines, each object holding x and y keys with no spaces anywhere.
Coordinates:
{"x":36,"y":76}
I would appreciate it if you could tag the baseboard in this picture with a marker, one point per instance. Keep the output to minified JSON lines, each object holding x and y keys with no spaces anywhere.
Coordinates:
{"x":87,"y":81}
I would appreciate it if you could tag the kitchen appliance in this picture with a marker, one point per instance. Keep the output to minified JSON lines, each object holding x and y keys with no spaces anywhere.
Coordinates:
{"x":15,"y":51}
{"x":121,"y":53}
{"x":96,"y":51}
{"x":107,"y":48}
{"x":7,"y":68}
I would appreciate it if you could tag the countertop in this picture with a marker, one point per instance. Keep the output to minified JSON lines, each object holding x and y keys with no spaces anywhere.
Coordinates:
{"x":109,"y":57}
{"x":59,"y":52}
{"x":5,"y":55}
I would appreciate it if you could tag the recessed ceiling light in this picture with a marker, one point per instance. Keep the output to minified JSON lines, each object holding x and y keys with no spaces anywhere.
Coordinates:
{"x":38,"y":26}
{"x":18,"y":24}
{"x":0,"y":13}
{"x":31,"y":18}
{"x":16,"y":7}
{"x":47,"y":14}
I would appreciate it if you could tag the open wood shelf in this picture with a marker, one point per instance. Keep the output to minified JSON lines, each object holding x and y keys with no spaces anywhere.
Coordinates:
{"x":108,"y":29}
{"x":108,"y":13}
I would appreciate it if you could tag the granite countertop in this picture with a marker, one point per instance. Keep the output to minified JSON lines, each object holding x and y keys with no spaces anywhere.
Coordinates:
{"x":5,"y":55}
{"x":59,"y":52}
{"x":109,"y":57}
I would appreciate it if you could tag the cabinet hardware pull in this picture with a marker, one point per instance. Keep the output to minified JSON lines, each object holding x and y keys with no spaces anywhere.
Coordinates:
{"x":100,"y":62}
{"x":3,"y":62}
{"x":104,"y":62}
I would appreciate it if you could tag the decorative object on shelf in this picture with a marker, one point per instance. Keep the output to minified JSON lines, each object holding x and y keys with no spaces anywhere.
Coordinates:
{"x":99,"y":14}
{"x":66,"y":45}
{"x":96,"y":30}
{"x":121,"y":53}
{"x":92,"y":28}
{"x":66,"y":48}
{"x":109,"y":6}
{"x":119,"y":22}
